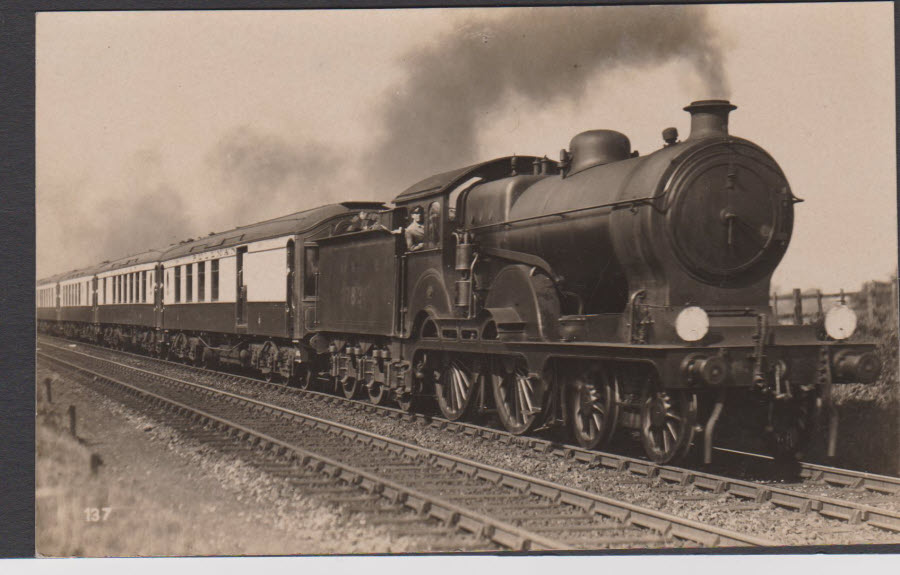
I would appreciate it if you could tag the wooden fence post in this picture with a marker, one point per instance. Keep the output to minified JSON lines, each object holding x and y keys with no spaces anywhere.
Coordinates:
{"x":870,"y":302}
{"x":798,"y":307}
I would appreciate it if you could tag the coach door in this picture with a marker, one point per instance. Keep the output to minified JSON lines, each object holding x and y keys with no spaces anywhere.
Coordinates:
{"x":158,"y":294}
{"x":95,"y":300}
{"x":241,"y":291}
{"x":289,"y":298}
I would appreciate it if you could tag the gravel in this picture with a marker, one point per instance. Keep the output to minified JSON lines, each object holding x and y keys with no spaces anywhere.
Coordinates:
{"x":764,"y":520}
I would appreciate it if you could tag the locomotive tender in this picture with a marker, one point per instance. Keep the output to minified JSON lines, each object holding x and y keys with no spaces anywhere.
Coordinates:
{"x":605,"y":291}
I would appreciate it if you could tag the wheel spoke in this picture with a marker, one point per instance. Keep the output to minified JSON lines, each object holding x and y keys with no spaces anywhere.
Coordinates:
{"x":598,"y":422}
{"x":459,"y":400}
{"x":527,"y":393}
{"x":465,"y":384}
{"x":666,"y":444}
{"x":672,"y":430}
{"x":520,"y":401}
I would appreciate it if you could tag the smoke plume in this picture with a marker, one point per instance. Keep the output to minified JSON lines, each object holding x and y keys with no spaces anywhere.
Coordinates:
{"x":263,"y":176}
{"x":431,"y":123}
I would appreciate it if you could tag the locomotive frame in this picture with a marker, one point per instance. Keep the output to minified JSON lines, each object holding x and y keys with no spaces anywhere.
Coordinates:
{"x":547,"y":293}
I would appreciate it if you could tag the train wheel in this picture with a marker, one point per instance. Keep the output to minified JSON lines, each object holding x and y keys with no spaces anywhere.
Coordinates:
{"x":268,"y":362}
{"x":208,"y":359}
{"x":377,"y":393}
{"x":175,"y":350}
{"x":305,"y":377}
{"x":667,"y":424}
{"x":350,"y":386}
{"x":199,"y":351}
{"x":454,"y":390}
{"x":594,"y":410}
{"x":519,"y":399}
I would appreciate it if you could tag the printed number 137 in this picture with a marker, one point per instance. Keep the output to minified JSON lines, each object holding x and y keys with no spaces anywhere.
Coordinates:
{"x":95,"y":514}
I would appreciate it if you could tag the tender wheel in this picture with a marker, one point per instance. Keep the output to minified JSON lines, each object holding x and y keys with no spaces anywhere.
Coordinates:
{"x":350,"y":387}
{"x":307,"y":379}
{"x":593,"y":408}
{"x":667,"y":424}
{"x":377,"y":393}
{"x":454,"y":390}
{"x":519,"y":399}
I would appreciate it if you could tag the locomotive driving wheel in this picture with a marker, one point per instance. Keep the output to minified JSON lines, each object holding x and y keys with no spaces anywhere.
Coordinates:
{"x":594,"y":409}
{"x":518,"y":397}
{"x":667,"y":424}
{"x":454,"y":390}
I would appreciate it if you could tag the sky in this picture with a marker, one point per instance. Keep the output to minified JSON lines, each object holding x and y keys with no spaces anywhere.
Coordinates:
{"x":154,"y":127}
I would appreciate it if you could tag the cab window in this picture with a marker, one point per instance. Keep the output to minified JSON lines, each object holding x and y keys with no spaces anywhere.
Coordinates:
{"x":433,"y":225}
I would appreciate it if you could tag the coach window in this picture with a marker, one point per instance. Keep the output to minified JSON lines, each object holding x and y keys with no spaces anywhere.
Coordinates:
{"x":310,"y":271}
{"x":177,"y":284}
{"x":189,"y":283}
{"x":433,"y":225}
{"x":201,"y":281}
{"x":144,"y":287}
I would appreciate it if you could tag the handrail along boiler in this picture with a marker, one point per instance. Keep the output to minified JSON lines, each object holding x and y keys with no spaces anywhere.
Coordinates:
{"x":605,"y":291}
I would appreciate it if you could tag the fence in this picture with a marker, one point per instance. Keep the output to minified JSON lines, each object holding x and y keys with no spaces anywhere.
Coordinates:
{"x":807,"y":307}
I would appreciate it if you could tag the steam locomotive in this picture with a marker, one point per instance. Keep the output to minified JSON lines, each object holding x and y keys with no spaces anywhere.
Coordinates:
{"x":605,"y":291}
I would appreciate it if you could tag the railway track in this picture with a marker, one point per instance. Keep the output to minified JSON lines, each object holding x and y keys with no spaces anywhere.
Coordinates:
{"x":676,"y":479}
{"x":496,"y":506}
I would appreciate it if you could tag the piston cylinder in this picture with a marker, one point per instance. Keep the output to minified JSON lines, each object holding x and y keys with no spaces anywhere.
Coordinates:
{"x":855,"y":367}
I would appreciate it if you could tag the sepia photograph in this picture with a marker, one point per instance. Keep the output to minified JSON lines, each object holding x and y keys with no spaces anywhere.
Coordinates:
{"x":493,"y":280}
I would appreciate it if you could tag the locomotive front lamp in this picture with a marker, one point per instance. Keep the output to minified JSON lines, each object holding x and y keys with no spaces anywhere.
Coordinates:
{"x":840,"y":322}
{"x":692,"y":324}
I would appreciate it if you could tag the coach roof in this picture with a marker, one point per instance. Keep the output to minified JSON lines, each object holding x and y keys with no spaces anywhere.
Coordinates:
{"x":148,"y":256}
{"x":284,"y":226}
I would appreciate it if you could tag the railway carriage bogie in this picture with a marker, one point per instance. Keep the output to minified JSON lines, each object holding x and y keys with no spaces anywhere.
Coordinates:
{"x":268,"y":360}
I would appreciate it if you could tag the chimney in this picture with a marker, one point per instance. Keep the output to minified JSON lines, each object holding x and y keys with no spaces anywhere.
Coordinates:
{"x":709,"y":118}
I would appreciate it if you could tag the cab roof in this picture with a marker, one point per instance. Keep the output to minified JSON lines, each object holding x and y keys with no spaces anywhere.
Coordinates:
{"x":490,"y":170}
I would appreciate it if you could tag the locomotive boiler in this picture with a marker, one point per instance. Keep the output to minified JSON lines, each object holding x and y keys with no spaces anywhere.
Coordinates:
{"x":607,"y":293}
